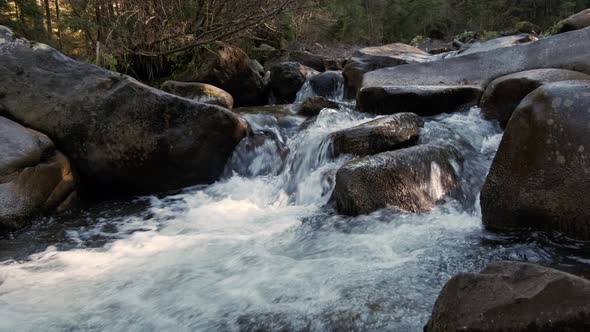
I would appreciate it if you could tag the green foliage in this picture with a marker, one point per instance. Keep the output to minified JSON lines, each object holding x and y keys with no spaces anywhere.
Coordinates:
{"x":287,"y":26}
{"x":527,"y":27}
{"x":401,"y":20}
{"x":487,"y":35}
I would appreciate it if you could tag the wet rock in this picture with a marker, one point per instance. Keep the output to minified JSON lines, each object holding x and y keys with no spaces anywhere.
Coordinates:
{"x":422,"y":100}
{"x":308,"y":123}
{"x":384,"y":134}
{"x":410,"y":180}
{"x":277,"y":111}
{"x":565,"y":51}
{"x":260,"y":118}
{"x":121,"y":135}
{"x":541,"y":174}
{"x":312,"y":106}
{"x":261,"y":153}
{"x":505,"y":93}
{"x":326,"y":84}
{"x":578,"y":21}
{"x":513,"y":296}
{"x":203,"y":93}
{"x":497,"y":43}
{"x":34,"y":176}
{"x":373,"y":58}
{"x":231,"y":69}
{"x":286,"y":79}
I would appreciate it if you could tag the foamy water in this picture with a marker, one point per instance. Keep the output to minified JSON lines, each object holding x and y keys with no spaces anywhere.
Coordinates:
{"x":259,"y":250}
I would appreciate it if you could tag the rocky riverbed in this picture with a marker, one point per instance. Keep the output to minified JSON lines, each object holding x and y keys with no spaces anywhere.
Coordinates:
{"x":319,"y":194}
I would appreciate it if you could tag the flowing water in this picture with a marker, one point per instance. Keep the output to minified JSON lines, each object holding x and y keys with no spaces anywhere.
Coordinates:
{"x":259,"y":250}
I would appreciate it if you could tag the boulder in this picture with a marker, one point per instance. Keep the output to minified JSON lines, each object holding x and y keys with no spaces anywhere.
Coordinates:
{"x":312,"y":106}
{"x":121,"y":135}
{"x":268,"y":56}
{"x":384,"y":134}
{"x":316,"y":62}
{"x":565,"y":51}
{"x":410,"y":180}
{"x":326,"y":84}
{"x":513,"y":296}
{"x":373,"y":58}
{"x":504,"y":94}
{"x":286,"y":79}
{"x":229,"y":68}
{"x":423,"y":100}
{"x":541,"y":174}
{"x":200,"y":92}
{"x":34,"y":176}
{"x":496,"y":43}
{"x":578,"y":21}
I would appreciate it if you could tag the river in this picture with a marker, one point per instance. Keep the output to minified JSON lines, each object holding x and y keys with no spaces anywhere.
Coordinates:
{"x":259,"y":250}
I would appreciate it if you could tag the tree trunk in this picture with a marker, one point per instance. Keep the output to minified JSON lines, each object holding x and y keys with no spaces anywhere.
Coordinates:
{"x":48,"y":19}
{"x":58,"y":22}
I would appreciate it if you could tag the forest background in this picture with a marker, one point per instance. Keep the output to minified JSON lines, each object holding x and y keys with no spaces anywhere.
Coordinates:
{"x":119,"y":34}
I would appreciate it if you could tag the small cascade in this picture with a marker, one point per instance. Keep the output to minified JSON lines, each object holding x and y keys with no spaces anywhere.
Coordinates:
{"x":258,"y":250}
{"x":307,"y":91}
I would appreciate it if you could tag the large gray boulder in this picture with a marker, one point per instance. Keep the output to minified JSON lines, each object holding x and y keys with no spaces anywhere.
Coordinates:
{"x":496,"y":43}
{"x":512,"y":296}
{"x":504,"y":94}
{"x":120,"y":134}
{"x":34,"y":176}
{"x":578,"y":21}
{"x":409,"y":180}
{"x":541,"y":174}
{"x":199,"y":92}
{"x":385,"y":89}
{"x":384,"y":134}
{"x":373,"y":58}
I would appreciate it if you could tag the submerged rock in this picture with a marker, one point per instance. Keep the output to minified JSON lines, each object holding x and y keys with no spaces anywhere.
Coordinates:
{"x":541,"y":174}
{"x":566,"y":51}
{"x":373,"y":58}
{"x":312,"y":106}
{"x":384,"y":134}
{"x":34,"y":176}
{"x":505,"y":93}
{"x":410,"y":180}
{"x":513,"y":296}
{"x":200,"y":92}
{"x":231,"y":69}
{"x":578,"y":21}
{"x":121,"y":135}
{"x":286,"y":79}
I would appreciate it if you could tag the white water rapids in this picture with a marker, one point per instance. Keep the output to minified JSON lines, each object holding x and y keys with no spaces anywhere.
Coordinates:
{"x":258,"y":250}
